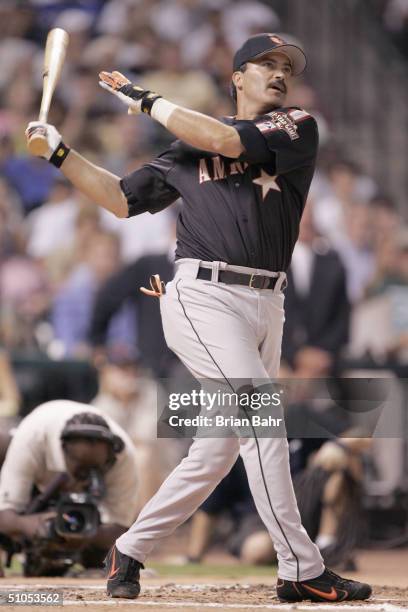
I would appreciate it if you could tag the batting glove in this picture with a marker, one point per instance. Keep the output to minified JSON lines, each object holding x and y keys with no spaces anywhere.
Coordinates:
{"x":57,"y":150}
{"x":138,"y":100}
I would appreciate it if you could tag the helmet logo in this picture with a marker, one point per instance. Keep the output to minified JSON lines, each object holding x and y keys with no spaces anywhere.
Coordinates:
{"x":277,"y":40}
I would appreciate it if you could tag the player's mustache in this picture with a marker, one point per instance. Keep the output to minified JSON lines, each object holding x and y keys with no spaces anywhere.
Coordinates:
{"x":279,"y":85}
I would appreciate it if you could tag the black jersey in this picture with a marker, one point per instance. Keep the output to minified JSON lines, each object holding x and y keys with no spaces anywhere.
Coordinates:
{"x":242,"y":211}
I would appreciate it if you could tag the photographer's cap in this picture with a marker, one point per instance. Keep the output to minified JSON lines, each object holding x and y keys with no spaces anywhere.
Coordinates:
{"x":258,"y":45}
{"x":89,"y":431}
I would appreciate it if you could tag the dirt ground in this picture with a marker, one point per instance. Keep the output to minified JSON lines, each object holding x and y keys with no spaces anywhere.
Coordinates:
{"x":386,"y":570}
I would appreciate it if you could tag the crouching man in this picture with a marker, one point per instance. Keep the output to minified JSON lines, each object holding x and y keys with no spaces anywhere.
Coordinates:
{"x":68,"y":488}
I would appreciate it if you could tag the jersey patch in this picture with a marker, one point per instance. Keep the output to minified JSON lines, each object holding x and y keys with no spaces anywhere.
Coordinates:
{"x":279,"y":121}
{"x":298,"y":115}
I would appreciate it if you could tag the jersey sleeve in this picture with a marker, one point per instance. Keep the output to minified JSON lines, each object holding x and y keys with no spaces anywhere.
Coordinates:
{"x":147,"y":190}
{"x":287,"y":138}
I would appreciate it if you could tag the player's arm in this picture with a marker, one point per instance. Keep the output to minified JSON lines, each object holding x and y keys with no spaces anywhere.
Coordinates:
{"x":144,"y":190}
{"x":196,"y":129}
{"x":287,"y":138}
{"x":204,"y":132}
{"x":101,"y":186}
{"x":98,"y":184}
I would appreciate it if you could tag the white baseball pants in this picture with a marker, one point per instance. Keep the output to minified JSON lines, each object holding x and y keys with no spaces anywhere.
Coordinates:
{"x":227,"y":332}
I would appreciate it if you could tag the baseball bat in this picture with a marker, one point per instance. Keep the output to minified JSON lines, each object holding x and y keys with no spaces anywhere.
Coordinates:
{"x":55,"y":49}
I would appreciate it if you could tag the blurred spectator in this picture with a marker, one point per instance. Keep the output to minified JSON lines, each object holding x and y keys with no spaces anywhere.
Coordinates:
{"x":72,"y":307}
{"x":12,"y":239}
{"x":67,"y":254}
{"x":347,"y":186}
{"x":316,"y":305}
{"x":24,"y":299}
{"x":395,"y":272}
{"x":17,"y":57}
{"x":84,"y":103}
{"x":124,"y":16}
{"x":385,"y":306}
{"x":47,"y":11}
{"x":329,"y":498}
{"x":54,"y":219}
{"x":342,"y":214}
{"x":78,"y":24}
{"x":28,"y":175}
{"x":124,"y":287}
{"x":174,"y":19}
{"x":128,"y":395}
{"x":190,"y":88}
{"x":125,"y":145}
{"x":9,"y":394}
{"x":385,"y":218}
{"x":330,"y":212}
{"x":397,"y":292}
{"x":355,"y":248}
{"x":144,"y":234}
{"x":18,"y":19}
{"x":242,"y":19}
{"x":206,"y":40}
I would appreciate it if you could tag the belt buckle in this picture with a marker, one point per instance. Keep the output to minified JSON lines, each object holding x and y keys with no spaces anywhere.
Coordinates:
{"x":251,"y":280}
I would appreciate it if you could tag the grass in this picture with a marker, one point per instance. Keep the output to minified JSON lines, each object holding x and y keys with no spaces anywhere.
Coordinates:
{"x":16,"y":567}
{"x":189,"y":569}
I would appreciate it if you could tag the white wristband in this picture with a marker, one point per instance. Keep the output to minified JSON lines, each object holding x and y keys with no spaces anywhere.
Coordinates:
{"x":161,"y":110}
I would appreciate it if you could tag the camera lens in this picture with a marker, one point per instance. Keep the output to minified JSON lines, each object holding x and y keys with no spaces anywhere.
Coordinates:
{"x":74,"y":522}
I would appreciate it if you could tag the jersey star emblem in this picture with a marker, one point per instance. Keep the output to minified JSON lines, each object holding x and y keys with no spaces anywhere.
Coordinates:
{"x":267,"y":182}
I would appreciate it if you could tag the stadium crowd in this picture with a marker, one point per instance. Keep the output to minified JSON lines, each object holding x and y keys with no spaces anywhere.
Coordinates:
{"x":70,"y":274}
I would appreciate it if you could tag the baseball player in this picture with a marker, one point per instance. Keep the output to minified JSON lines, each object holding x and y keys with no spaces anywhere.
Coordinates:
{"x":244,"y":182}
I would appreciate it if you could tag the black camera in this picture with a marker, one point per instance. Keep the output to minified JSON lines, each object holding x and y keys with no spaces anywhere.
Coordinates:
{"x":77,"y":519}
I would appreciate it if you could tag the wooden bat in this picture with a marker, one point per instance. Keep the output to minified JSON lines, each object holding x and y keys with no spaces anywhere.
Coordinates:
{"x":55,"y":49}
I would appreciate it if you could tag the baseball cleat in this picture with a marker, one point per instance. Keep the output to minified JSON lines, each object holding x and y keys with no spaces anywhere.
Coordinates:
{"x":328,"y":587}
{"x":123,"y":575}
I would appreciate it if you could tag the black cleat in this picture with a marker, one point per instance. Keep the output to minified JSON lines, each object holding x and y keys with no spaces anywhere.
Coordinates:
{"x":328,"y":587}
{"x":123,"y":575}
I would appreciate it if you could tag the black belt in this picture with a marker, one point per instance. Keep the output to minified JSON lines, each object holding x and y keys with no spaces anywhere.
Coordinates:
{"x":255,"y":281}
